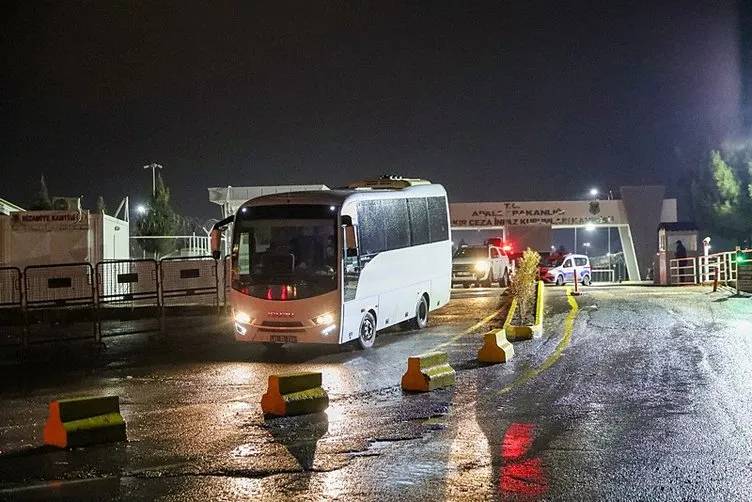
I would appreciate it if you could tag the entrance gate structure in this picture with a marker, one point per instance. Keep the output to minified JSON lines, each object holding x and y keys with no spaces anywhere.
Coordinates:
{"x":635,"y":216}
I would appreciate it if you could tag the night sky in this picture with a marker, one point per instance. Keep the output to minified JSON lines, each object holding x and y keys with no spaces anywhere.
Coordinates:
{"x":497,"y":101}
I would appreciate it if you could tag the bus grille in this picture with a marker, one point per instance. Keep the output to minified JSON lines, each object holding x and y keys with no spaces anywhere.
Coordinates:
{"x":282,"y":324}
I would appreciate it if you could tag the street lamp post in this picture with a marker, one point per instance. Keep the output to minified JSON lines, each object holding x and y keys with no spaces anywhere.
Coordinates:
{"x":153,"y":166}
{"x":575,"y":239}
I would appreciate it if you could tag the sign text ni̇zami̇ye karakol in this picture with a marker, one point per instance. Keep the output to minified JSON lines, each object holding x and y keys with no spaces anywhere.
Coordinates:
{"x":45,"y":221}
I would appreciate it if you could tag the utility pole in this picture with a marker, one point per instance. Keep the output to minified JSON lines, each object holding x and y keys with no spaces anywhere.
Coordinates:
{"x":153,"y":166}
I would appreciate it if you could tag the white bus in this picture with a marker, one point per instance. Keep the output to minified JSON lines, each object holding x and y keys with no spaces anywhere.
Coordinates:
{"x":333,"y":266}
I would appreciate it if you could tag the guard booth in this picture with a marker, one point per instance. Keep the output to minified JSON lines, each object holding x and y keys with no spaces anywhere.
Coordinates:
{"x":52,"y":237}
{"x":670,"y":269}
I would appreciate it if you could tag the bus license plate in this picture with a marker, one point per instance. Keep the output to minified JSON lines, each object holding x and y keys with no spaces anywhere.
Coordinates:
{"x":283,"y":338}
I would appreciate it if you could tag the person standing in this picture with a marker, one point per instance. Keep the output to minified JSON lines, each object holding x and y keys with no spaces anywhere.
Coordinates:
{"x":681,"y":256}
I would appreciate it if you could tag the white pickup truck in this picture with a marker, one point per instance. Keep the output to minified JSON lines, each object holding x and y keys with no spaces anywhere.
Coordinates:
{"x":482,"y":265}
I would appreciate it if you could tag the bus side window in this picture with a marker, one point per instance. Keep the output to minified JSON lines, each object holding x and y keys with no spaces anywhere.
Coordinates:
{"x":437,"y":217}
{"x":418,"y":214}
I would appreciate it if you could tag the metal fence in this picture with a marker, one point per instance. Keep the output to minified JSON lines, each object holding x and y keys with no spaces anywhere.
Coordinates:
{"x":683,"y":270}
{"x":724,"y":264}
{"x":169,"y":246}
{"x":603,"y":275}
{"x":189,"y":280}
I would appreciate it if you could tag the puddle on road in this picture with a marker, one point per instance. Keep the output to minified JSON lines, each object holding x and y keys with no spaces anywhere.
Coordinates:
{"x":246,"y":450}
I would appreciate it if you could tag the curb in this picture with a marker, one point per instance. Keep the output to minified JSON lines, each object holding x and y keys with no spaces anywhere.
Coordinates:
{"x":516,"y":333}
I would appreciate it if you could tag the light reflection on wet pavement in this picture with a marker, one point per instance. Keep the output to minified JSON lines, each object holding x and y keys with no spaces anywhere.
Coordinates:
{"x":650,"y":399}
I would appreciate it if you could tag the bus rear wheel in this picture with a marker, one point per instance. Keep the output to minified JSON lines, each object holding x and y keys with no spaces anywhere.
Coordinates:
{"x":420,"y":320}
{"x":367,"y":332}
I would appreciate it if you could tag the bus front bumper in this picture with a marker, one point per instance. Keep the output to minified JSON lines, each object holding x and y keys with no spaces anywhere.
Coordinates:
{"x":251,"y":333}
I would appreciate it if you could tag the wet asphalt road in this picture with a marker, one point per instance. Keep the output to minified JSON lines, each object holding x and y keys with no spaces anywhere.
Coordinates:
{"x":640,"y":393}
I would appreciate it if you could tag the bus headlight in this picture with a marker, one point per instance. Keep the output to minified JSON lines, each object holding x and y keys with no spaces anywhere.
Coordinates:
{"x":323,"y":319}
{"x":328,"y":330}
{"x":242,"y":317}
{"x":482,"y":266}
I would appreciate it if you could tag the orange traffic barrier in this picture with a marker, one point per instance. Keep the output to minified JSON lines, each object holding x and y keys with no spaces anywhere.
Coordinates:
{"x":294,"y":394}
{"x":84,"y":421}
{"x":427,"y":372}
{"x":496,"y":348}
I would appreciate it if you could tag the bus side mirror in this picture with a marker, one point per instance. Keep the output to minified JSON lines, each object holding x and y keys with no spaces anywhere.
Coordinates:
{"x":215,"y":236}
{"x":215,"y":241}
{"x":351,"y":245}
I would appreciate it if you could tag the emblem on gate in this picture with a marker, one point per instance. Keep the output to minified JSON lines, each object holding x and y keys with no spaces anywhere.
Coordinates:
{"x":595,"y":207}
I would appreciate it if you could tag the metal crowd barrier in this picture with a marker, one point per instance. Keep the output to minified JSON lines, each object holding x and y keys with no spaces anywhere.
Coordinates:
{"x":59,"y":285}
{"x":74,"y":292}
{"x":10,"y":287}
{"x":131,"y":282}
{"x":12,"y":325}
{"x":184,"y":279}
{"x":128,"y":283}
{"x":53,"y":289}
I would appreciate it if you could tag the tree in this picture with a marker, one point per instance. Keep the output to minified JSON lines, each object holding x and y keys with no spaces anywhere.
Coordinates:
{"x":722,"y":195}
{"x":101,"y":206}
{"x":159,"y":220}
{"x":41,"y":200}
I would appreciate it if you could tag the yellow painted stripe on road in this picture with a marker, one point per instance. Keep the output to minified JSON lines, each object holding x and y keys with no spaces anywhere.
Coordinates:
{"x":473,"y":328}
{"x":556,"y":354}
{"x":483,"y":321}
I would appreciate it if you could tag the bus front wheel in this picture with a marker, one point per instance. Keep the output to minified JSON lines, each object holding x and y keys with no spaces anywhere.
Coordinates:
{"x":367,"y":334}
{"x":420,"y":320}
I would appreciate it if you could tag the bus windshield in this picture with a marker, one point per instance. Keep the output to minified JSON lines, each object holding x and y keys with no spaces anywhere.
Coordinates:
{"x":285,"y":252}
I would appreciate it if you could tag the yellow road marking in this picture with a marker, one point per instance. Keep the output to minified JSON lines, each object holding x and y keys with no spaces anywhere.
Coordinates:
{"x":474,"y":327}
{"x":556,"y":354}
{"x":483,"y":321}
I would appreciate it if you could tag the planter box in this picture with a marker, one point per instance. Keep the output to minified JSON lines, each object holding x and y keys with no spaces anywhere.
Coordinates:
{"x":526,"y":332}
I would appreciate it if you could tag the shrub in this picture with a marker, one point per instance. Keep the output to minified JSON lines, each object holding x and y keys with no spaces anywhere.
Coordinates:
{"x":522,"y":286}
